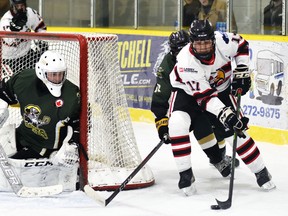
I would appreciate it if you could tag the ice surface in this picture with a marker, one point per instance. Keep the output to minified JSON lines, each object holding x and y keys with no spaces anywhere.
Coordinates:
{"x":164,"y":198}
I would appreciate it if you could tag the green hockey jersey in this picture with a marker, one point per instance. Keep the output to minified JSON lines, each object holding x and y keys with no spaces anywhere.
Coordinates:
{"x":45,"y":117}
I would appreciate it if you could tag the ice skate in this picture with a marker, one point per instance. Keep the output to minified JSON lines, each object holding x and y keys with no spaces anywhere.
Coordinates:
{"x":223,"y":152}
{"x":264,"y":180}
{"x":224,"y":166}
{"x":237,"y":162}
{"x":229,"y":158}
{"x":186,"y":182}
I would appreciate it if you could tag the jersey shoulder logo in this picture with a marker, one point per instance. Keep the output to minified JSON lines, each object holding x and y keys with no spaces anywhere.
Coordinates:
{"x":59,"y":103}
{"x":160,"y":72}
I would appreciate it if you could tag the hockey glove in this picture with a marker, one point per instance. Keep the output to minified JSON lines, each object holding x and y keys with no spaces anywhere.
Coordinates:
{"x":228,"y":118}
{"x":241,"y":79}
{"x":39,"y":46}
{"x":68,"y":154}
{"x":162,"y":128}
{"x":18,"y":21}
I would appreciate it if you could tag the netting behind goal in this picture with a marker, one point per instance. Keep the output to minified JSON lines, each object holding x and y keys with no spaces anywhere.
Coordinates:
{"x":106,"y":130}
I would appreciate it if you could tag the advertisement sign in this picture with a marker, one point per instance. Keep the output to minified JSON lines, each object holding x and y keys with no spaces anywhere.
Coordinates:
{"x":265,"y":104}
{"x":138,"y":58}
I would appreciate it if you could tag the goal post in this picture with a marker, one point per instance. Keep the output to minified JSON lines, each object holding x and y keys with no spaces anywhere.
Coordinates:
{"x":106,"y":130}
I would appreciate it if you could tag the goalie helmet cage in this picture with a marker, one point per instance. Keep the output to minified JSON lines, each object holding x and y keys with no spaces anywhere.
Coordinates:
{"x":106,"y":130}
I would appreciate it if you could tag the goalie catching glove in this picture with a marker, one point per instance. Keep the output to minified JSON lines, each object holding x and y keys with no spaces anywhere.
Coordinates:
{"x":241,"y":79}
{"x":68,"y":154}
{"x":162,"y":128}
{"x":18,"y":21}
{"x":228,"y":118}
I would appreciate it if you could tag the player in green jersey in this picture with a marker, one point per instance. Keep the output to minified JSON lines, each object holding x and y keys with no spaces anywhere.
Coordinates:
{"x":49,"y":106}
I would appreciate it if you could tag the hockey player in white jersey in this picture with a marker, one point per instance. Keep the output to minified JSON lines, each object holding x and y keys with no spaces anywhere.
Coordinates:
{"x":19,"y":54}
{"x":203,"y":79}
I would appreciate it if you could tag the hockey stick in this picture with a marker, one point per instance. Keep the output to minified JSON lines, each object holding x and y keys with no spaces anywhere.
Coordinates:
{"x":18,"y":188}
{"x":227,"y":204}
{"x":94,"y":195}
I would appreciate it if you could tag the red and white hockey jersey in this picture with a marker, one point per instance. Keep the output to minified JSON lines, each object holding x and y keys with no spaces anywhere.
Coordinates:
{"x":17,"y":47}
{"x":204,"y":79}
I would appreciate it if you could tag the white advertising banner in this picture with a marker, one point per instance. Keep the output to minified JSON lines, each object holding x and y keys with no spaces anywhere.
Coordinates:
{"x":266,"y":102}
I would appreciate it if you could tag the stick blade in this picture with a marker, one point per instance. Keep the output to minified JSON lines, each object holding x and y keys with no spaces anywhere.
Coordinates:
{"x":29,"y":192}
{"x":215,"y":207}
{"x":90,"y":192}
{"x":224,"y":204}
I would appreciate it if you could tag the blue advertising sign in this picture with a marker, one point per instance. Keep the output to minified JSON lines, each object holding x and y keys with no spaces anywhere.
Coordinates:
{"x":139,"y":56}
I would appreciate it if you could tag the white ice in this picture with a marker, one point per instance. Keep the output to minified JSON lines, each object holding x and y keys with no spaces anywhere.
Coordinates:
{"x":164,"y":198}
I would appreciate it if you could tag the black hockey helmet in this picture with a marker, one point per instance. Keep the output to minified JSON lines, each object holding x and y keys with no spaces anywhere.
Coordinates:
{"x":201,"y":30}
{"x":15,"y":2}
{"x":177,"y":40}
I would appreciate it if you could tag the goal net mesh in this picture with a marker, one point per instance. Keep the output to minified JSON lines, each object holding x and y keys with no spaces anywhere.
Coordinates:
{"x":105,"y":126}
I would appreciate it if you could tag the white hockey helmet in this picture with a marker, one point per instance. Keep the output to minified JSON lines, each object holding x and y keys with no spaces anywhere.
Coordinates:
{"x":52,"y":70}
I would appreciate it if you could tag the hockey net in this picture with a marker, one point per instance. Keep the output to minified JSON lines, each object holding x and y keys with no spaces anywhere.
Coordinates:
{"x":106,"y":130}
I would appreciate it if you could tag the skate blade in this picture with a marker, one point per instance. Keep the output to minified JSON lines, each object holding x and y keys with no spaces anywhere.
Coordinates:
{"x":268,"y":186}
{"x":189,"y":191}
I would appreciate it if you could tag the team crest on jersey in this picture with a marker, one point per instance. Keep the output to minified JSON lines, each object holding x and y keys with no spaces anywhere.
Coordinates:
{"x":31,"y":119}
{"x":217,"y":78}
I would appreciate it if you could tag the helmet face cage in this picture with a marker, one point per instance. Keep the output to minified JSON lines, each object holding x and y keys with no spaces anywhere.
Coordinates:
{"x":177,"y":40}
{"x":51,"y":62}
{"x":61,"y":74}
{"x":202,"y":30}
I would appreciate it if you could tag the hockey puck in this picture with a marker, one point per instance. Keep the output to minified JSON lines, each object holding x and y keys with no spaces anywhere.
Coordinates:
{"x":215,"y":207}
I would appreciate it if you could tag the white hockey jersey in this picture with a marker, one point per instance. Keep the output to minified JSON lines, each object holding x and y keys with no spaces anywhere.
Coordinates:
{"x":15,"y":48}
{"x":204,"y":79}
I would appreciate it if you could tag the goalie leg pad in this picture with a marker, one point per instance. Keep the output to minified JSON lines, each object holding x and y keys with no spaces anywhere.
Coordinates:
{"x":8,"y":139}
{"x":42,"y":173}
{"x":4,"y":114}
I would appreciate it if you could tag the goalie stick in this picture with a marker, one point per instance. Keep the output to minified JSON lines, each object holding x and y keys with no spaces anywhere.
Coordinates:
{"x":95,"y":195}
{"x":18,"y":188}
{"x":227,"y":204}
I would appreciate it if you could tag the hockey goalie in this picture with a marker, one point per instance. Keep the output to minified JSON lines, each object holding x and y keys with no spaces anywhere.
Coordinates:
{"x":43,"y":148}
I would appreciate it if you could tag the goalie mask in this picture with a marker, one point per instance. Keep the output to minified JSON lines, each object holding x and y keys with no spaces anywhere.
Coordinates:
{"x":52,"y":70}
